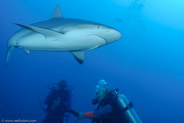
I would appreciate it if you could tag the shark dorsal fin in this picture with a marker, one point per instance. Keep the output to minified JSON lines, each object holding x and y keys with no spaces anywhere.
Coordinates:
{"x":45,"y":32}
{"x":79,"y":56}
{"x":57,"y":13}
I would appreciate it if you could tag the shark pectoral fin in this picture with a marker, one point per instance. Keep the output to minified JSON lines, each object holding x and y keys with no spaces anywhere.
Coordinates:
{"x":27,"y":51}
{"x":94,"y":47}
{"x":57,"y":13}
{"x":46,"y":32}
{"x":79,"y":56}
{"x":8,"y":55}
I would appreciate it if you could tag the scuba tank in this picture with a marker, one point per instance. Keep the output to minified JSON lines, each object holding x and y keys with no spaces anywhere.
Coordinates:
{"x":127,"y":109}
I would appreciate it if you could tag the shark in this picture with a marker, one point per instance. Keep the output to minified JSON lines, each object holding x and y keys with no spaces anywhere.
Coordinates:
{"x":62,"y":35}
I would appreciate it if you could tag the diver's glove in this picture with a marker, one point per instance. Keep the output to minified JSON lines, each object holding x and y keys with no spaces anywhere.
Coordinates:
{"x":80,"y":115}
{"x":76,"y":114}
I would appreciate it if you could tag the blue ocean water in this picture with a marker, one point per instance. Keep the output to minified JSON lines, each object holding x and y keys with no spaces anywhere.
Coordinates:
{"x":147,"y":64}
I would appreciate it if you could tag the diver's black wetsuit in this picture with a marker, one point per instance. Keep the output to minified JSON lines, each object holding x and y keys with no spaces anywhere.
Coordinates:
{"x":113,"y":112}
{"x":56,"y":113}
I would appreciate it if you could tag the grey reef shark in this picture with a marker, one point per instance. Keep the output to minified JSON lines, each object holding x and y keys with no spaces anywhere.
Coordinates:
{"x":62,"y":34}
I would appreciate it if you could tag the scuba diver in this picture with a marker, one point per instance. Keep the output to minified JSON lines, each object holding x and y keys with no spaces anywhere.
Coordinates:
{"x":112,"y":107}
{"x":58,"y":101}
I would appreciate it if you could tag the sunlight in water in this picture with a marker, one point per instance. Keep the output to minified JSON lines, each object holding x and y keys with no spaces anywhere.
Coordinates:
{"x":124,"y":2}
{"x":168,"y":12}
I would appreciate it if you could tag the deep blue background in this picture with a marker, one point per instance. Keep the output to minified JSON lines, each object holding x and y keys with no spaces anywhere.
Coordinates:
{"x":147,"y":64}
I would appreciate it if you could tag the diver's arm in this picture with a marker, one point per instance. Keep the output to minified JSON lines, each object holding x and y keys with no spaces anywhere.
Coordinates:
{"x":95,"y":114}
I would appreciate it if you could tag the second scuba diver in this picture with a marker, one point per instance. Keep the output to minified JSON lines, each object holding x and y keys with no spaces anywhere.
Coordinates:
{"x":58,"y":101}
{"x":112,"y":107}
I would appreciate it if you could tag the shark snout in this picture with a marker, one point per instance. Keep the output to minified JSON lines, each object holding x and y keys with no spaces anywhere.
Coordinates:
{"x":113,"y":35}
{"x":117,"y":34}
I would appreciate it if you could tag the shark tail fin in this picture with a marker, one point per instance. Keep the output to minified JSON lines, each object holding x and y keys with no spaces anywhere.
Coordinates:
{"x":8,"y":55}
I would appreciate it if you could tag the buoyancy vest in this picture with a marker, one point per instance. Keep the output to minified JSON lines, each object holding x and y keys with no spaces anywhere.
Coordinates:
{"x":122,"y":111}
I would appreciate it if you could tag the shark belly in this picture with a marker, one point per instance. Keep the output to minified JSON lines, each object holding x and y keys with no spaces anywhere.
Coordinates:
{"x":80,"y":41}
